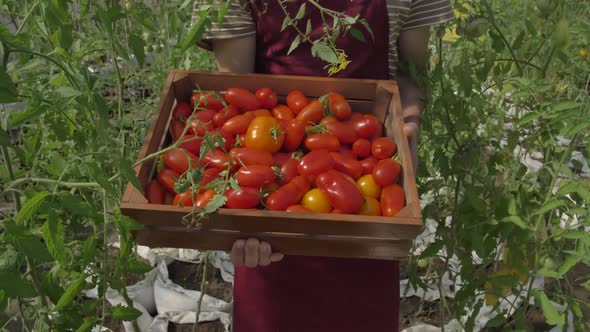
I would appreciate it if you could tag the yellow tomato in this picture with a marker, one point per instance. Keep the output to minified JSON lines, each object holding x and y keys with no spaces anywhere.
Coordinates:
{"x":317,"y":201}
{"x":265,"y":133}
{"x":368,"y":186}
{"x":371,"y":207}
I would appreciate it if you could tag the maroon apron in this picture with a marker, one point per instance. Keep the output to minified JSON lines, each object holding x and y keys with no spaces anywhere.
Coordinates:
{"x":308,"y":294}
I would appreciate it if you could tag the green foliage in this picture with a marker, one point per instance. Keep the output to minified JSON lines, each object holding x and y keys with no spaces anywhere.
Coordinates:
{"x":513,"y":86}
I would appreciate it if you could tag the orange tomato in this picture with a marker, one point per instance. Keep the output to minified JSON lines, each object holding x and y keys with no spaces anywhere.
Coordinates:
{"x":317,"y":201}
{"x":265,"y":133}
{"x":371,"y":207}
{"x":368,"y":186}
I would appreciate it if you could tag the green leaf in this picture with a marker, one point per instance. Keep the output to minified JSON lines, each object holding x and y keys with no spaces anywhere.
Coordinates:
{"x":368,"y":27}
{"x":196,"y":31}
{"x":136,"y":44}
{"x":8,"y":93}
{"x":294,"y":44}
{"x":586,"y":284}
{"x":65,"y":36}
{"x":89,"y":248}
{"x":308,"y":28}
{"x":575,"y":235}
{"x":301,"y":12}
{"x":54,"y":235}
{"x":433,"y":249}
{"x":358,"y":35}
{"x":286,"y":22}
{"x":135,"y":265}
{"x":128,"y":173}
{"x":29,"y":210}
{"x":515,"y":220}
{"x":569,"y":262}
{"x":41,"y":326}
{"x":75,"y":205}
{"x":3,"y":300}
{"x":71,"y":293}
{"x":88,"y":324}
{"x":552,"y":316}
{"x":51,"y":287}
{"x":551,"y":205}
{"x":125,"y":313}
{"x":223,"y":8}
{"x":324,"y":52}
{"x":9,"y":259}
{"x":217,"y":202}
{"x":4,"y":138}
{"x":14,"y":285}
{"x":233,"y":183}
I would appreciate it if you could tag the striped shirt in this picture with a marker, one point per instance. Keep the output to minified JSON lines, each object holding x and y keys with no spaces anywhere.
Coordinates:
{"x":403,"y":15}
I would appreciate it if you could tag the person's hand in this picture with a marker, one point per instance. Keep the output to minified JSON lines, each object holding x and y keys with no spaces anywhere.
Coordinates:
{"x":411,"y":130}
{"x":253,"y":253}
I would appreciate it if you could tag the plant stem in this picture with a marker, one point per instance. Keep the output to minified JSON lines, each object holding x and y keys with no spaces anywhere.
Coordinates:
{"x":7,"y":162}
{"x":556,"y":173}
{"x":54,"y":182}
{"x":203,"y":283}
{"x":22,"y":315}
{"x":24,"y":21}
{"x":66,"y":72}
{"x":5,"y":55}
{"x":104,"y":258}
{"x":129,"y":304}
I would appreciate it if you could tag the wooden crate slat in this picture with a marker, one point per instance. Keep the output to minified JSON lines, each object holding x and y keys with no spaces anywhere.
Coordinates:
{"x":288,"y":244}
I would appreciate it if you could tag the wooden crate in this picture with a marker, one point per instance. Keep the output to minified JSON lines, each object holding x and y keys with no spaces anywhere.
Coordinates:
{"x":311,"y":234}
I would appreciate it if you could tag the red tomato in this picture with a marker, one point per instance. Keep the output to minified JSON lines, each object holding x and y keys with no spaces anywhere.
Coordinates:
{"x":347,"y":152}
{"x":215,"y":159}
{"x":260,"y":112}
{"x":154,"y":192}
{"x":279,"y":158}
{"x":204,"y":198}
{"x":312,"y":113}
{"x":246,"y":198}
{"x":265,"y":133}
{"x":349,"y":166}
{"x":228,"y":139}
{"x":242,"y":99}
{"x":191,"y":144}
{"x":294,"y":135}
{"x":342,"y":194}
{"x":205,"y":116}
{"x":238,"y":124}
{"x":337,"y":211}
{"x":361,"y":148}
{"x":354,"y":117}
{"x":367,"y":126}
{"x":344,"y":131}
{"x":250,"y":156}
{"x":339,"y":106}
{"x":185,"y":199}
{"x":383,"y":147}
{"x":296,"y":101}
{"x":168,"y":198}
{"x":386,"y":172}
{"x":177,"y":160}
{"x":255,"y":175}
{"x":282,"y":112}
{"x":167,"y":179}
{"x":392,"y":200}
{"x":287,"y":195}
{"x":315,"y":162}
{"x":267,"y":97}
{"x":289,"y":170}
{"x":176,"y":129}
{"x":223,"y":115}
{"x":322,"y":142}
{"x":206,"y":100}
{"x":297,"y":208}
{"x":200,"y":128}
{"x":209,"y":175}
{"x":369,"y":164}
{"x":182,"y":111}
{"x":328,"y":119}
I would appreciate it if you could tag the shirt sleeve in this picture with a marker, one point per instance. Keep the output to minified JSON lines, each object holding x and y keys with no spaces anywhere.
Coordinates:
{"x":237,"y":22}
{"x":428,"y":12}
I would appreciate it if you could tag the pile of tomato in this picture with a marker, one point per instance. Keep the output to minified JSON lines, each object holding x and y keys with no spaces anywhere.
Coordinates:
{"x":304,"y":155}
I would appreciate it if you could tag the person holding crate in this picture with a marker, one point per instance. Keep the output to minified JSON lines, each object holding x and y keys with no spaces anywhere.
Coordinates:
{"x":273,"y":292}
